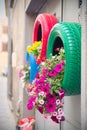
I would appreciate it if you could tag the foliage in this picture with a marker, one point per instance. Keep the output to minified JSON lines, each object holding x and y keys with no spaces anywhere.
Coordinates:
{"x":24,"y":73}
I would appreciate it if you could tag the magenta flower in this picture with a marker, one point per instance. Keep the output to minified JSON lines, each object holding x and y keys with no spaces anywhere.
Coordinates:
{"x":40,"y":80}
{"x":50,"y":107}
{"x":37,"y":75}
{"x":31,"y":103}
{"x":61,"y":93}
{"x":54,"y":119}
{"x":51,"y":98}
{"x":40,"y":109}
{"x":43,"y":77}
{"x":45,"y":89}
{"x":45,"y":71}
{"x":47,"y":84}
{"x":58,"y":68}
{"x":32,"y":99}
{"x":63,"y":63}
{"x":52,"y":73}
{"x":30,"y":106}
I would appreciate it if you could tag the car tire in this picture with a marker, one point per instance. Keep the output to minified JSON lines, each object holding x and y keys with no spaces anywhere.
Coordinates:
{"x":70,"y":38}
{"x":42,"y":27}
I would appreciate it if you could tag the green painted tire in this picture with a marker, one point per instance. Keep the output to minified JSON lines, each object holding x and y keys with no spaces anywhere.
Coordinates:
{"x":70,"y":38}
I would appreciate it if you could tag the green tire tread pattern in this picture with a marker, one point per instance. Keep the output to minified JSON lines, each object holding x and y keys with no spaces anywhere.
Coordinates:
{"x":70,"y":34}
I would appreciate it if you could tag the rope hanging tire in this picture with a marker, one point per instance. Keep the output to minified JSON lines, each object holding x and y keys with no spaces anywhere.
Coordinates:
{"x":68,"y":35}
{"x":42,"y":27}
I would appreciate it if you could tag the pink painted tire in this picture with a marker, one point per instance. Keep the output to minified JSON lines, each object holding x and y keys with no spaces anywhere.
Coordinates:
{"x":42,"y":27}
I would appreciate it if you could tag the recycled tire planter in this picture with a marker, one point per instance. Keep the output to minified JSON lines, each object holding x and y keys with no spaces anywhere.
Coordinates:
{"x":68,"y":35}
{"x":42,"y":27}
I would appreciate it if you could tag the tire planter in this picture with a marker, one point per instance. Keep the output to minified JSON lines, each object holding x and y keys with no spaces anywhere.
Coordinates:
{"x":42,"y":27}
{"x":68,"y":35}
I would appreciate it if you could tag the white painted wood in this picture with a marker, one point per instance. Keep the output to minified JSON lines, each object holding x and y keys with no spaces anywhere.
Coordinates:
{"x":39,"y":125}
{"x":70,"y":10}
{"x":72,"y":110}
{"x":84,"y":67}
{"x":45,"y":124}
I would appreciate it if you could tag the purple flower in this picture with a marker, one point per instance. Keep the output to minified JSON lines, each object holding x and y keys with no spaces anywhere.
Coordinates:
{"x":62,"y":118}
{"x":54,"y":119}
{"x":51,"y":97}
{"x":40,"y":109}
{"x":58,"y":68}
{"x":52,"y":73}
{"x":45,"y":89}
{"x":61,"y":93}
{"x":50,"y":107}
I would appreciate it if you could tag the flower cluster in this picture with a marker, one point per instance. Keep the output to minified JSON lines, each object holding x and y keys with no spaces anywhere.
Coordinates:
{"x":46,"y":90}
{"x":24,"y":74}
{"x":35,"y":48}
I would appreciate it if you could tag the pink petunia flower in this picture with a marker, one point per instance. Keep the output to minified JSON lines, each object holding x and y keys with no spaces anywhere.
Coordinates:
{"x":51,"y":97}
{"x":45,"y":89}
{"x":32,"y":99}
{"x":31,"y":103}
{"x":41,"y":94}
{"x":37,"y":75}
{"x":52,"y":73}
{"x":40,"y":109}
{"x":50,"y":107}
{"x":58,"y":117}
{"x":54,"y":113}
{"x":30,"y":106}
{"x":45,"y":71}
{"x":61,"y":93}
{"x":57,"y":102}
{"x":60,"y":111}
{"x":54,"y":119}
{"x":58,"y":68}
{"x":41,"y":101}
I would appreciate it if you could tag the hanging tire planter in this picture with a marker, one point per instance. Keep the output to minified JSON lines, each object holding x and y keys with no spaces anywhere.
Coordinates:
{"x":42,"y":27}
{"x":68,"y":35}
